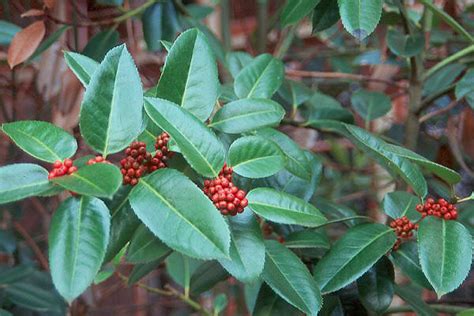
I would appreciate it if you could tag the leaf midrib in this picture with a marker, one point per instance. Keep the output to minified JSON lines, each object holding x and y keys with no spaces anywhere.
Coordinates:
{"x":288,"y":210}
{"x":76,"y":175}
{"x":259,"y":78}
{"x":245,"y":162}
{"x":76,"y":245}
{"x":237,"y":117}
{"x":56,"y":157}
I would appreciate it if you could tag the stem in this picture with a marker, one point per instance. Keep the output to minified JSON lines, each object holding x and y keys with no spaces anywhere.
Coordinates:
{"x":428,"y":100}
{"x":286,"y":43}
{"x":225,"y":24}
{"x":430,"y":115}
{"x":466,"y":51}
{"x":30,"y":241}
{"x":262,"y":22}
{"x":437,"y":307}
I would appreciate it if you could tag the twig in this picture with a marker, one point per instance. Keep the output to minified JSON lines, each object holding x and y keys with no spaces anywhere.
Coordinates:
{"x":430,"y":115}
{"x":428,"y":100}
{"x":32,"y":244}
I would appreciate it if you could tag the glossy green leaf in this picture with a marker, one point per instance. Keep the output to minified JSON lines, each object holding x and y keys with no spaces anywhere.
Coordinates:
{"x":100,"y":179}
{"x":247,"y":115}
{"x":22,"y":180}
{"x":375,"y":287}
{"x":442,"y":78}
{"x":78,"y":239}
{"x":452,"y":244}
{"x":371,"y":104}
{"x":465,"y":88}
{"x":360,"y":17}
{"x":236,"y":61}
{"x":181,"y":268}
{"x":100,"y":44}
{"x":415,"y":300}
{"x":297,"y":162}
{"x":160,"y":23}
{"x":82,"y":66}
{"x":214,"y":43}
{"x":259,"y":79}
{"x":247,"y":251}
{"x":33,"y":297}
{"x":335,"y":211}
{"x":268,"y":303}
{"x":325,"y":107}
{"x":294,"y":93}
{"x":189,"y":61}
{"x":7,"y":32}
{"x":283,"y":208}
{"x":325,"y":15}
{"x":5,"y":312}
{"x":399,"y":203}
{"x":352,"y":255}
{"x":198,"y":144}
{"x":296,"y":10}
{"x":307,"y":239}
{"x":206,"y":276}
{"x":256,"y":157}
{"x":171,"y":215}
{"x":407,"y":259}
{"x":405,"y":45}
{"x":290,"y":279}
{"x":399,"y":165}
{"x":41,"y":140}
{"x":145,"y":247}
{"x":111,"y":111}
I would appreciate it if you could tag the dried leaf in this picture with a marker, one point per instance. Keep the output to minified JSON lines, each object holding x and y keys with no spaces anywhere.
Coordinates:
{"x":49,"y":3}
{"x":25,"y":43}
{"x":32,"y":12}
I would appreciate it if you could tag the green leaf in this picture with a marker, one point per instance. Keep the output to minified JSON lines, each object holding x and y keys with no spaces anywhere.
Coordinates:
{"x":399,"y":165}
{"x":352,"y":255}
{"x":399,"y":203}
{"x":297,"y":162}
{"x":189,"y":77}
{"x":100,"y":44}
{"x":375,"y":287}
{"x":247,"y":251}
{"x":247,"y":115}
{"x":405,"y":45}
{"x":49,"y":41}
{"x":466,"y":312}
{"x":33,"y":297}
{"x":82,"y":66}
{"x":145,"y":247}
{"x":360,"y":17}
{"x":325,"y":107}
{"x":407,"y":259}
{"x":5,"y":312}
{"x":371,"y":105}
{"x":111,"y":111}
{"x":452,"y":244}
{"x":259,"y":79}
{"x":442,"y":78}
{"x":296,"y":10}
{"x":172,"y":215}
{"x":141,"y":270}
{"x":284,"y":208}
{"x":159,"y":23}
{"x":256,"y":157}
{"x":214,"y":43}
{"x":465,"y":88}
{"x":307,"y":239}
{"x":41,"y":140}
{"x":198,"y":144}
{"x":15,"y":274}
{"x":268,"y":303}
{"x":22,"y":180}
{"x":289,"y":278}
{"x":100,"y":180}
{"x":236,"y":61}
{"x":206,"y":276}
{"x":294,"y":93}
{"x":78,"y":238}
{"x":7,"y":32}
{"x":415,"y":300}
{"x":181,"y":267}
{"x":325,"y":15}
{"x":110,"y":2}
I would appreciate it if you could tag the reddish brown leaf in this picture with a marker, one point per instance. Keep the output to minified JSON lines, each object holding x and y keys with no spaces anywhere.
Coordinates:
{"x":32,"y":12}
{"x":25,"y":43}
{"x":49,"y":3}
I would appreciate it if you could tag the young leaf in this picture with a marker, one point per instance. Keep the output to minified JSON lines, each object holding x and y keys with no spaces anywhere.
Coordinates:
{"x":452,"y":244}
{"x":352,"y":255}
{"x":22,"y":180}
{"x":145,"y":247}
{"x":189,"y":77}
{"x":7,"y":32}
{"x":375,"y":287}
{"x":325,"y":15}
{"x":247,"y":251}
{"x":407,"y":259}
{"x":82,"y":66}
{"x":100,"y":180}
{"x":259,"y":79}
{"x":405,"y":45}
{"x":236,"y":61}
{"x":399,"y":203}
{"x":247,"y":115}
{"x":283,"y":208}
{"x":111,"y":111}
{"x":172,"y":215}
{"x":296,"y":10}
{"x":78,"y":238}
{"x":290,"y":279}
{"x":256,"y":157}
{"x":308,"y":238}
{"x":297,"y":162}
{"x":41,"y":140}
{"x":465,"y":88}
{"x":198,"y":144}
{"x":371,"y":105}
{"x":25,"y":42}
{"x":360,"y":17}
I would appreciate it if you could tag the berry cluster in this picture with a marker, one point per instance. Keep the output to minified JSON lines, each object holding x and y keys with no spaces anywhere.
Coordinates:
{"x":403,"y":229}
{"x":62,"y":168}
{"x":228,"y":198}
{"x":442,"y":209}
{"x":97,"y":159}
{"x":161,"y":146}
{"x":135,"y":164}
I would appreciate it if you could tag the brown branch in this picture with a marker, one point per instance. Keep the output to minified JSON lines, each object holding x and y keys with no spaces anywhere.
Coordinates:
{"x":440,"y":111}
{"x":32,"y":244}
